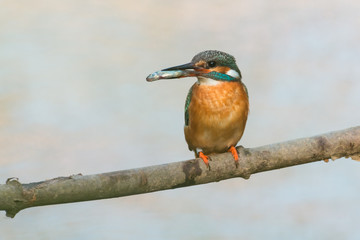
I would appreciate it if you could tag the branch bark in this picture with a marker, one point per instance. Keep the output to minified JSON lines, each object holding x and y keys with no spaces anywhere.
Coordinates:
{"x":15,"y":196}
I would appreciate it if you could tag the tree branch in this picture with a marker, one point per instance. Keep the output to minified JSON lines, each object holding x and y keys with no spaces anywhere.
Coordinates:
{"x":15,"y":196}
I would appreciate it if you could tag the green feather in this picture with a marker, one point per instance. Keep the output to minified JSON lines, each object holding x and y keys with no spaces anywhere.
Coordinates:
{"x":221,"y":77}
{"x":187,"y":103}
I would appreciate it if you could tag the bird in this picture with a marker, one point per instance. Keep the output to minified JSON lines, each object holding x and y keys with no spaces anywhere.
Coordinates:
{"x":216,"y":106}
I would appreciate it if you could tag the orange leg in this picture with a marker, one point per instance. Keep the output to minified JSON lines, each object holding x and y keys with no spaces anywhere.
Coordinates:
{"x":235,"y":154}
{"x":204,"y":158}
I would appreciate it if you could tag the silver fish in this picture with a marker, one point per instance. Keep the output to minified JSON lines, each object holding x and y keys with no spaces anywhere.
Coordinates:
{"x":169,"y":75}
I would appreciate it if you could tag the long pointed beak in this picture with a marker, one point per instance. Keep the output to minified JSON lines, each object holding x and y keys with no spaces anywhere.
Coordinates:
{"x":181,"y":67}
{"x":181,"y":71}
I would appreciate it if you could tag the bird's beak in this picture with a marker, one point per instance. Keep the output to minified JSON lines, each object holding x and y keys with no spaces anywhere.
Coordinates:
{"x":181,"y":67}
{"x":181,"y":71}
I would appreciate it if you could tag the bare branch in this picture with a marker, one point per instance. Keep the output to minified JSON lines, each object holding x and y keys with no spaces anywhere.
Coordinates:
{"x":15,"y":196}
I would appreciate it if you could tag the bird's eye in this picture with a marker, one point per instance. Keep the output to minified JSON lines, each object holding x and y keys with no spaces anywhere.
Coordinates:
{"x":212,"y":64}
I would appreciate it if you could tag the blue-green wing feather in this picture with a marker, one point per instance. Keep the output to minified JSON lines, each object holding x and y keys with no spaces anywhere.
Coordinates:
{"x":187,"y":103}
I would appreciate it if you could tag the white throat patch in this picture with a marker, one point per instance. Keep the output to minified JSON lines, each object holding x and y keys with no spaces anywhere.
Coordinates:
{"x":208,"y":81}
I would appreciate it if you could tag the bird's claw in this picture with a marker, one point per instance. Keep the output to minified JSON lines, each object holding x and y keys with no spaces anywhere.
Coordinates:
{"x":235,"y":154}
{"x":205,"y":159}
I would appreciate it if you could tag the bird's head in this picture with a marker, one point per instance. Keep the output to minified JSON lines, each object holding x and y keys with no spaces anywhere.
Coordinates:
{"x":208,"y":66}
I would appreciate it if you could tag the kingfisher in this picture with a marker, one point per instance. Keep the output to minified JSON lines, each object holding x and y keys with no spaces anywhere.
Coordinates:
{"x":216,"y":106}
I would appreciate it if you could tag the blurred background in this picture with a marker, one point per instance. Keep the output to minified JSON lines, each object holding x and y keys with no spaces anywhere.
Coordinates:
{"x":73,"y":99}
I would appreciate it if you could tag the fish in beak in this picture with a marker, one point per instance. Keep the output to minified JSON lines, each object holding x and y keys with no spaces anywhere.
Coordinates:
{"x":181,"y":71}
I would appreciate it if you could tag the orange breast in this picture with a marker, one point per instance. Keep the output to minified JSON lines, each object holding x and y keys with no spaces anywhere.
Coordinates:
{"x":217,"y":116}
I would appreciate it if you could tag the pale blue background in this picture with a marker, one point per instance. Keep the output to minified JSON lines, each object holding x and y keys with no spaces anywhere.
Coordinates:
{"x":73,"y":99}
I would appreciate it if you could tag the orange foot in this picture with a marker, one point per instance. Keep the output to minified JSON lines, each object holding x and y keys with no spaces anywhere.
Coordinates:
{"x":204,"y":158}
{"x":235,"y":154}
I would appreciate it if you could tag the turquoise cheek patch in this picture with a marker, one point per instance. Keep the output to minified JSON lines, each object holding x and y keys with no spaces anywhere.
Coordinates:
{"x":220,"y":76}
